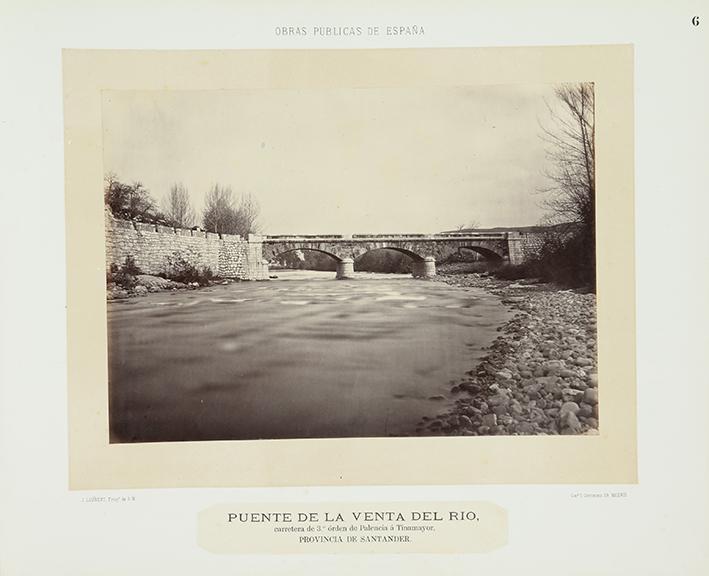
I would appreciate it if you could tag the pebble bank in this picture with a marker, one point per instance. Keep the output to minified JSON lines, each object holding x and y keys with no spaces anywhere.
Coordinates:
{"x":538,"y":377}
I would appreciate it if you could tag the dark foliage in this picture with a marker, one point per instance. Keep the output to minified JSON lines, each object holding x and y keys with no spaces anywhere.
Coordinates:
{"x":124,"y":275}
{"x":131,"y":201}
{"x":180,"y":269}
{"x":568,"y":254}
{"x":567,"y":257}
{"x":464,"y":255}
{"x":384,"y":261}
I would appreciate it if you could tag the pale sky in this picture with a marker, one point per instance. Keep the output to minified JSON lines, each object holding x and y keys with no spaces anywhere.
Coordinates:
{"x":341,"y":161}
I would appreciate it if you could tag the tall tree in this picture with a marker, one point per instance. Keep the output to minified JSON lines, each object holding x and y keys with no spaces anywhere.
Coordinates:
{"x":571,"y":193}
{"x":219,"y":213}
{"x":571,"y":154}
{"x":224,"y":216}
{"x":247,"y":215}
{"x":177,"y":207}
{"x":129,"y":201}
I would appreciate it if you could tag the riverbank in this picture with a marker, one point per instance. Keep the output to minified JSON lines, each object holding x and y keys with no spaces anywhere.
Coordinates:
{"x":142,"y":284}
{"x":539,"y":376}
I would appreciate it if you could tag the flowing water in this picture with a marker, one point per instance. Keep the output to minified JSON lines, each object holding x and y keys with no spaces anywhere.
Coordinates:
{"x":302,"y":356}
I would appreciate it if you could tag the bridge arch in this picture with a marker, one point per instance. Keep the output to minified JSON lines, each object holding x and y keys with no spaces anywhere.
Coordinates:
{"x":364,"y":250}
{"x":375,"y":259}
{"x":344,"y":265}
{"x":278,"y":253}
{"x":487,"y":253}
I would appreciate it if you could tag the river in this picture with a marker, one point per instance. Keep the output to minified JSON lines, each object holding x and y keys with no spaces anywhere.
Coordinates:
{"x":301,"y":356}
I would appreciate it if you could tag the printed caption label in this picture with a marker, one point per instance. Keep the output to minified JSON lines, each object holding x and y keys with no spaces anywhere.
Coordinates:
{"x":367,"y":528}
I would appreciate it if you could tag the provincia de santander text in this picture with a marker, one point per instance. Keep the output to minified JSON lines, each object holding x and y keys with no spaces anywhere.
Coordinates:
{"x":353,"y":31}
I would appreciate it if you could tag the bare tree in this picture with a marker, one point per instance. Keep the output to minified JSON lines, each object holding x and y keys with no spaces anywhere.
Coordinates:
{"x":177,"y":207}
{"x":110,"y":179}
{"x":570,"y":246}
{"x":471,"y":226}
{"x":223,"y":216}
{"x":247,"y":215}
{"x":219,"y":212}
{"x":570,"y":139}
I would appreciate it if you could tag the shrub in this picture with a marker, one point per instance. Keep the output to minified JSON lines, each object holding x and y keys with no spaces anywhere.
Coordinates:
{"x":125,"y":275}
{"x":453,"y":268}
{"x":566,"y":257}
{"x":464,"y":255}
{"x":130,"y":267}
{"x":513,"y":271}
{"x":180,"y":269}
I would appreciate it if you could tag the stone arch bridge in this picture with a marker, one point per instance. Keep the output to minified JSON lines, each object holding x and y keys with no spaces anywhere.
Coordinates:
{"x":424,"y":249}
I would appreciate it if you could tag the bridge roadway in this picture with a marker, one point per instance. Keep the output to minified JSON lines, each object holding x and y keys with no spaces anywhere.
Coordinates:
{"x":424,"y":249}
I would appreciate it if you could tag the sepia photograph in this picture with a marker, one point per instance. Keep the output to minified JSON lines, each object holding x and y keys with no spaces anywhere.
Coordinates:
{"x":345,"y":262}
{"x":286,"y":292}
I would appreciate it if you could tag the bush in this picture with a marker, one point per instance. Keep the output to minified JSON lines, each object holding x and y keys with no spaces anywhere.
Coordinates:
{"x":125,"y":275}
{"x":513,"y":271}
{"x":567,"y":257}
{"x":464,"y":255}
{"x":452,"y":268}
{"x":180,"y":269}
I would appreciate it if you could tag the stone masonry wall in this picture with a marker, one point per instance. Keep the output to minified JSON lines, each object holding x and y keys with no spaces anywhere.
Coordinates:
{"x":531,"y":243}
{"x":154,"y":246}
{"x":232,"y":257}
{"x":256,"y":266}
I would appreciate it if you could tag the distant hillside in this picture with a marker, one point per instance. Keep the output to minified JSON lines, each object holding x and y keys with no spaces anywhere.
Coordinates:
{"x":524,"y":229}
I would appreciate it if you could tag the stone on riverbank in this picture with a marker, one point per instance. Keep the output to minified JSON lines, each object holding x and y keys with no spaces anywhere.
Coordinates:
{"x":590,"y":396}
{"x":144,"y":284}
{"x":540,"y":374}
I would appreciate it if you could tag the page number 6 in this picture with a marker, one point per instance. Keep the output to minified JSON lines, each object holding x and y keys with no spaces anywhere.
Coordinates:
{"x":695,"y":21}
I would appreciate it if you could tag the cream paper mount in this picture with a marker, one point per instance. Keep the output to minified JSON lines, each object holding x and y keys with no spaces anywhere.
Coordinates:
{"x":609,"y":457}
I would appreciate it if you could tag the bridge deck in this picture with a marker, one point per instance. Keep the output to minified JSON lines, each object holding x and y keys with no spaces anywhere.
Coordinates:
{"x":384,"y":237}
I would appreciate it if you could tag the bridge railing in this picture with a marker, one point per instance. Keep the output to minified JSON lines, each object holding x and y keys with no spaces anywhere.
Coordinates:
{"x":377,"y":236}
{"x":472,"y":234}
{"x":305,"y":237}
{"x":387,"y":237}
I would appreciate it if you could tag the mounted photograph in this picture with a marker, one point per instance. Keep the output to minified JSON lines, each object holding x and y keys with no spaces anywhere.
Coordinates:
{"x":344,"y":262}
{"x":289,"y":267}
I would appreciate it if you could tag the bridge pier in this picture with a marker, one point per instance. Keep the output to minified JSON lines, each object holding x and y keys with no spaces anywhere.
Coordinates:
{"x":514,"y":248}
{"x":425,"y":268}
{"x":345,"y":269}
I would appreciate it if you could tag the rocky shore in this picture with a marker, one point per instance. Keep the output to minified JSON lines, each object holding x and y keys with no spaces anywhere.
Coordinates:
{"x":538,"y":377}
{"x":143,"y":284}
